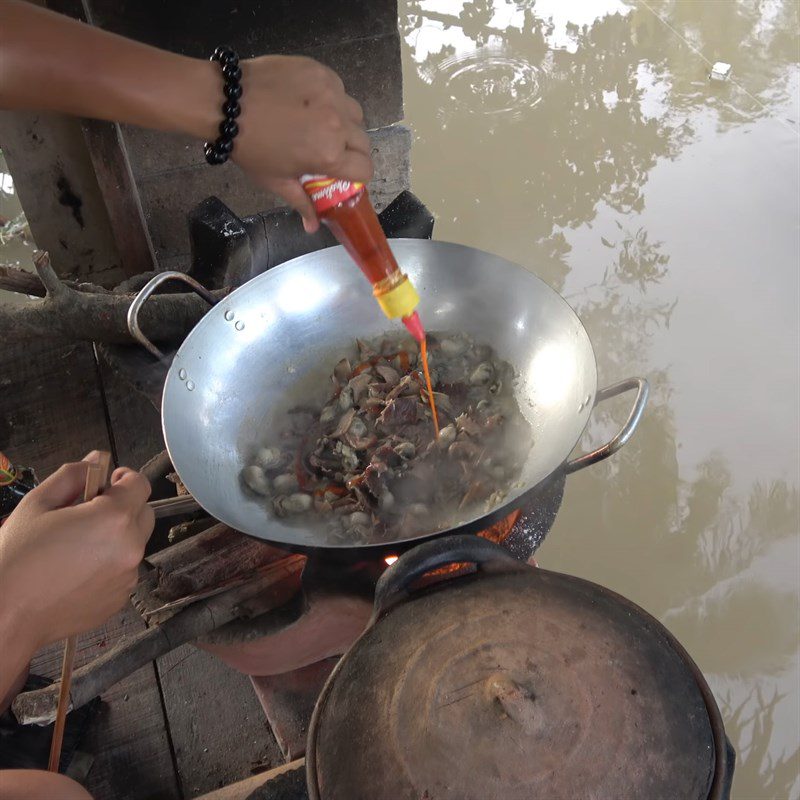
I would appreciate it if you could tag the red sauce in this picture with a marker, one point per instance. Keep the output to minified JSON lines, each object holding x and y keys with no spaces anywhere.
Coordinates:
{"x":303,"y":478}
{"x":423,"y":349}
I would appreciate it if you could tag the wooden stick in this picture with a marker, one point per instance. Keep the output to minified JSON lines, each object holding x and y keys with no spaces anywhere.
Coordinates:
{"x":96,"y":479}
{"x":256,"y":786}
{"x":172,"y":506}
{"x":68,"y":314}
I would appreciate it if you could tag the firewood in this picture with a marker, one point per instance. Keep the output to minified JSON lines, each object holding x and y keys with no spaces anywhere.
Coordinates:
{"x":256,"y":785}
{"x":185,"y":530}
{"x":70,"y":314}
{"x":271,"y":587}
{"x":213,"y":561}
{"x":14,"y":279}
{"x":206,"y":554}
{"x":157,"y":467}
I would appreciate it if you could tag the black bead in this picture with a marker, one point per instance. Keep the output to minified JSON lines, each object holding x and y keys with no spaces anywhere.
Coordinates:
{"x":222,"y":52}
{"x":231,"y":109}
{"x":217,"y":152}
{"x":233,"y":91}
{"x":232,"y":73}
{"x":213,"y":155}
{"x":228,"y":128}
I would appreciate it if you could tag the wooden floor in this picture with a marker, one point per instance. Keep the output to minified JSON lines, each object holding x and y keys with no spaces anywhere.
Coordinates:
{"x":185,"y":724}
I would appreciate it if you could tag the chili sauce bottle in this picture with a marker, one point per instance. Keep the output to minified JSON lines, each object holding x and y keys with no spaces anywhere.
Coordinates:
{"x":345,"y":207}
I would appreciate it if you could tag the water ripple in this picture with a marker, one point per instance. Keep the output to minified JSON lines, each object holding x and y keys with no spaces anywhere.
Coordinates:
{"x":489,"y":81}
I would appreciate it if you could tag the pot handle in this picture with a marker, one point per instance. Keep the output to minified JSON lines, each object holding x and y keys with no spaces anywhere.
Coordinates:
{"x":144,"y":294}
{"x":627,"y":430}
{"x":393,"y":586}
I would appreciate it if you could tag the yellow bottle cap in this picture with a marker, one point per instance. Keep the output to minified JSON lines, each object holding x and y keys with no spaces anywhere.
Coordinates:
{"x":399,"y":301}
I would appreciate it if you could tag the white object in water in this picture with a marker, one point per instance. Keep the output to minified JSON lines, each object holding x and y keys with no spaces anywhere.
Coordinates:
{"x":720,"y":71}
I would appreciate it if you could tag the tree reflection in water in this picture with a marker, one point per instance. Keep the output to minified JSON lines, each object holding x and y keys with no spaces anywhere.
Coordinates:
{"x":585,"y":112}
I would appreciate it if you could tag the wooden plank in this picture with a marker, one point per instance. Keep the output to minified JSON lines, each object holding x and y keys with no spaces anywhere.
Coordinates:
{"x":115,"y":179}
{"x":57,"y":186}
{"x":219,"y":731}
{"x":260,"y":786}
{"x":288,"y":701}
{"x":128,"y":737}
{"x":135,"y":423}
{"x":51,"y":411}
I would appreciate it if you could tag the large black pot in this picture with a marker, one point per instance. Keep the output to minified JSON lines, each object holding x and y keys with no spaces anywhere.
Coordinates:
{"x":515,"y":683}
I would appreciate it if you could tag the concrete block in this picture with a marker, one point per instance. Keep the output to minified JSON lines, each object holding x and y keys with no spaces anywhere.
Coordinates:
{"x":372,"y":73}
{"x":157,"y":152}
{"x":56,"y":183}
{"x":252,"y":27}
{"x":391,"y":154}
{"x":168,"y":197}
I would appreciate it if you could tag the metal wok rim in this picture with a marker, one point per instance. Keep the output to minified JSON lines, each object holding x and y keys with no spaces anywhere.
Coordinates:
{"x":472,"y":525}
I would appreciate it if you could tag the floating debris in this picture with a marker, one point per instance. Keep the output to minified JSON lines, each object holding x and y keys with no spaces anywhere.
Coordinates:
{"x":720,"y":71}
{"x":16,"y":228}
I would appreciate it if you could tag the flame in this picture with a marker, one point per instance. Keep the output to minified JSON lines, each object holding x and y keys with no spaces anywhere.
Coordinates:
{"x":390,"y":560}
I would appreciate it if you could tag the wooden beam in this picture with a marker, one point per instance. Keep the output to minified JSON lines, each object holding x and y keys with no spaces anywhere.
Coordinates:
{"x":121,"y":195}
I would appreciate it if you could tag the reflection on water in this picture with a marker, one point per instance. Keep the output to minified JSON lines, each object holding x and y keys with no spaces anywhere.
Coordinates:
{"x":489,"y":82}
{"x":585,"y":141}
{"x":15,"y":235}
{"x":16,"y":244}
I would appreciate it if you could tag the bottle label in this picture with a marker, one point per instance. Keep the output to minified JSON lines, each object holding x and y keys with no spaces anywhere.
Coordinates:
{"x":326,"y":193}
{"x":7,"y":473}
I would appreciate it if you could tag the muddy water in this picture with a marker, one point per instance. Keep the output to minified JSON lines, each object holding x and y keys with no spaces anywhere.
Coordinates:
{"x":585,"y":141}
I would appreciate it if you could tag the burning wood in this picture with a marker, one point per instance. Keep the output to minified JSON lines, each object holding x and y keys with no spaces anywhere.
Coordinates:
{"x":267,"y":586}
{"x":207,"y":564}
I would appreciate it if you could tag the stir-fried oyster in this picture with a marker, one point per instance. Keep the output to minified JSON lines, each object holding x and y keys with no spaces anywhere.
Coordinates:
{"x":369,"y":462}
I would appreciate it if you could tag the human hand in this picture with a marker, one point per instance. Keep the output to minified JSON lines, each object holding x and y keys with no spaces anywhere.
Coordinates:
{"x":296,"y":116}
{"x":66,"y":568}
{"x":296,"y":119}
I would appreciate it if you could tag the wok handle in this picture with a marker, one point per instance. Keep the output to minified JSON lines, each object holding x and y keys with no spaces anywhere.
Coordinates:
{"x":394,"y":585}
{"x":627,"y":430}
{"x":144,"y":294}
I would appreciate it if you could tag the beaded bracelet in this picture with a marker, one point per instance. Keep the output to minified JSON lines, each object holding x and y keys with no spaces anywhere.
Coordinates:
{"x":217,"y":152}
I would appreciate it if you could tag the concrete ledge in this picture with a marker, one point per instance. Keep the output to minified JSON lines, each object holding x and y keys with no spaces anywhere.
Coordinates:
{"x":56,"y":183}
{"x":168,"y":196}
{"x":252,"y":27}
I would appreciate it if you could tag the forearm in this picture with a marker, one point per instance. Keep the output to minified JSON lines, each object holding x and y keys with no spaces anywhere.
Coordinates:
{"x":49,"y":62}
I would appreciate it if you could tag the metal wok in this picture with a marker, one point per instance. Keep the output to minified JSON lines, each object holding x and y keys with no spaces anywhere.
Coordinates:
{"x":273,"y":342}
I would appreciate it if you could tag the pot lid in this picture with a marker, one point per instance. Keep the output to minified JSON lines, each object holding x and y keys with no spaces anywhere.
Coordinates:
{"x":514,"y":683}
